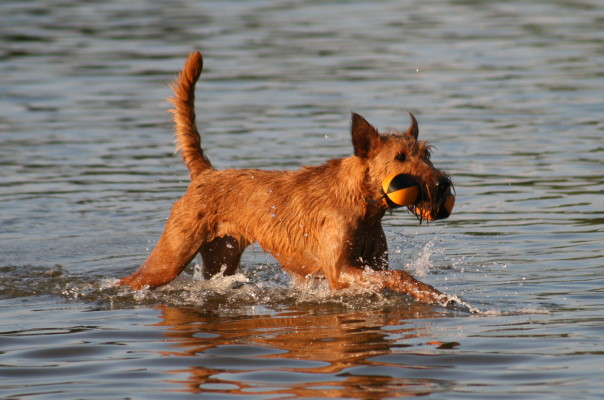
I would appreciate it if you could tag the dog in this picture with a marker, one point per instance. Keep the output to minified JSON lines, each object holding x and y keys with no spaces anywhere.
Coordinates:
{"x":318,"y":220}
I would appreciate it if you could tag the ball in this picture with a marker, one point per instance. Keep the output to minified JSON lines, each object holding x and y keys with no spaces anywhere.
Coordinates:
{"x":399,"y":190}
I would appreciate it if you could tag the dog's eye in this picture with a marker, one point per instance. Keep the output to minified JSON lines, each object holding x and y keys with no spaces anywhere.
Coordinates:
{"x":401,"y":157}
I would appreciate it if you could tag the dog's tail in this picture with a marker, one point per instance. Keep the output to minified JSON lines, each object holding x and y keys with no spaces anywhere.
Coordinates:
{"x":188,"y":140}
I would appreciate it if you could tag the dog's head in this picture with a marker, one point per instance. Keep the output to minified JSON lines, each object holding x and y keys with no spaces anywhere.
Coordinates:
{"x":402,"y":153}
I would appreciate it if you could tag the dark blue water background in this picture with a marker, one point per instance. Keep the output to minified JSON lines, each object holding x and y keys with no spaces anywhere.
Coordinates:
{"x":511,"y":93}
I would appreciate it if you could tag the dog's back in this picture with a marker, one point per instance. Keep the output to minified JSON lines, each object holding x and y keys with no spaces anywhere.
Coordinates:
{"x":284,"y":211}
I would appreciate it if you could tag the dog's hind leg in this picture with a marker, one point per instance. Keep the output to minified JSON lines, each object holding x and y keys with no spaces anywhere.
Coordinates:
{"x":183,"y":237}
{"x":221,"y":253}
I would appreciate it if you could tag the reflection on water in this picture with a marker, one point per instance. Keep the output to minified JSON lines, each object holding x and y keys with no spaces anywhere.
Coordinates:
{"x":303,"y":352}
{"x":510,"y":93}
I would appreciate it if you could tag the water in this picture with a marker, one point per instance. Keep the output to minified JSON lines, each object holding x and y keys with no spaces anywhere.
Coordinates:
{"x":509,"y":92}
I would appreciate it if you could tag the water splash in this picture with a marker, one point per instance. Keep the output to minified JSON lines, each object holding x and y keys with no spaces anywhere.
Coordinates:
{"x":422,"y":264}
{"x":255,"y":286}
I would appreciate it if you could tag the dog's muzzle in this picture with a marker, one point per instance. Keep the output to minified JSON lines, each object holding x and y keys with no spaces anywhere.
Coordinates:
{"x":443,"y":207}
{"x":400,"y":190}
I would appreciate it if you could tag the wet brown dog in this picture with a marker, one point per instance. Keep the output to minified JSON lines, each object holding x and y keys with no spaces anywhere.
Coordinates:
{"x":318,"y":220}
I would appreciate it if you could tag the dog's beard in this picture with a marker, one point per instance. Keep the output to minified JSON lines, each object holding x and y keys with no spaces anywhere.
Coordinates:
{"x":433,"y":211}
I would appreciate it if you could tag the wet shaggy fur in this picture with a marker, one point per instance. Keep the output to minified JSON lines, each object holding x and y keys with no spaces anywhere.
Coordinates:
{"x":317,"y":220}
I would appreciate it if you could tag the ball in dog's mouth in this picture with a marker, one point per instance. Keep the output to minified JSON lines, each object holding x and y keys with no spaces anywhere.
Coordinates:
{"x":399,"y":190}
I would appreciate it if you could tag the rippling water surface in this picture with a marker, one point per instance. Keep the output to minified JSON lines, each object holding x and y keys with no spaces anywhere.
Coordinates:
{"x":510,"y":93}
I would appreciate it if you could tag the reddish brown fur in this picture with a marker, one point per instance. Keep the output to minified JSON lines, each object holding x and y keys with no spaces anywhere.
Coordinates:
{"x":318,"y":220}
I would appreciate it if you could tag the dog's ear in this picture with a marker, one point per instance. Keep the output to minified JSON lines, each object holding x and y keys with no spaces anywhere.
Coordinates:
{"x":413,"y":129}
{"x":363,"y":134}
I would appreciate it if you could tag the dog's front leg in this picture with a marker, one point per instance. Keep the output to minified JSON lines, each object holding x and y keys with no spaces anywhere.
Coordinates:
{"x":401,"y":281}
{"x":398,"y":281}
{"x":374,"y":249}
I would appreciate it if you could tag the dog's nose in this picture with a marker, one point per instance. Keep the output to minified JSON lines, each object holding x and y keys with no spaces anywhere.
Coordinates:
{"x":443,"y":185}
{"x":444,"y":188}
